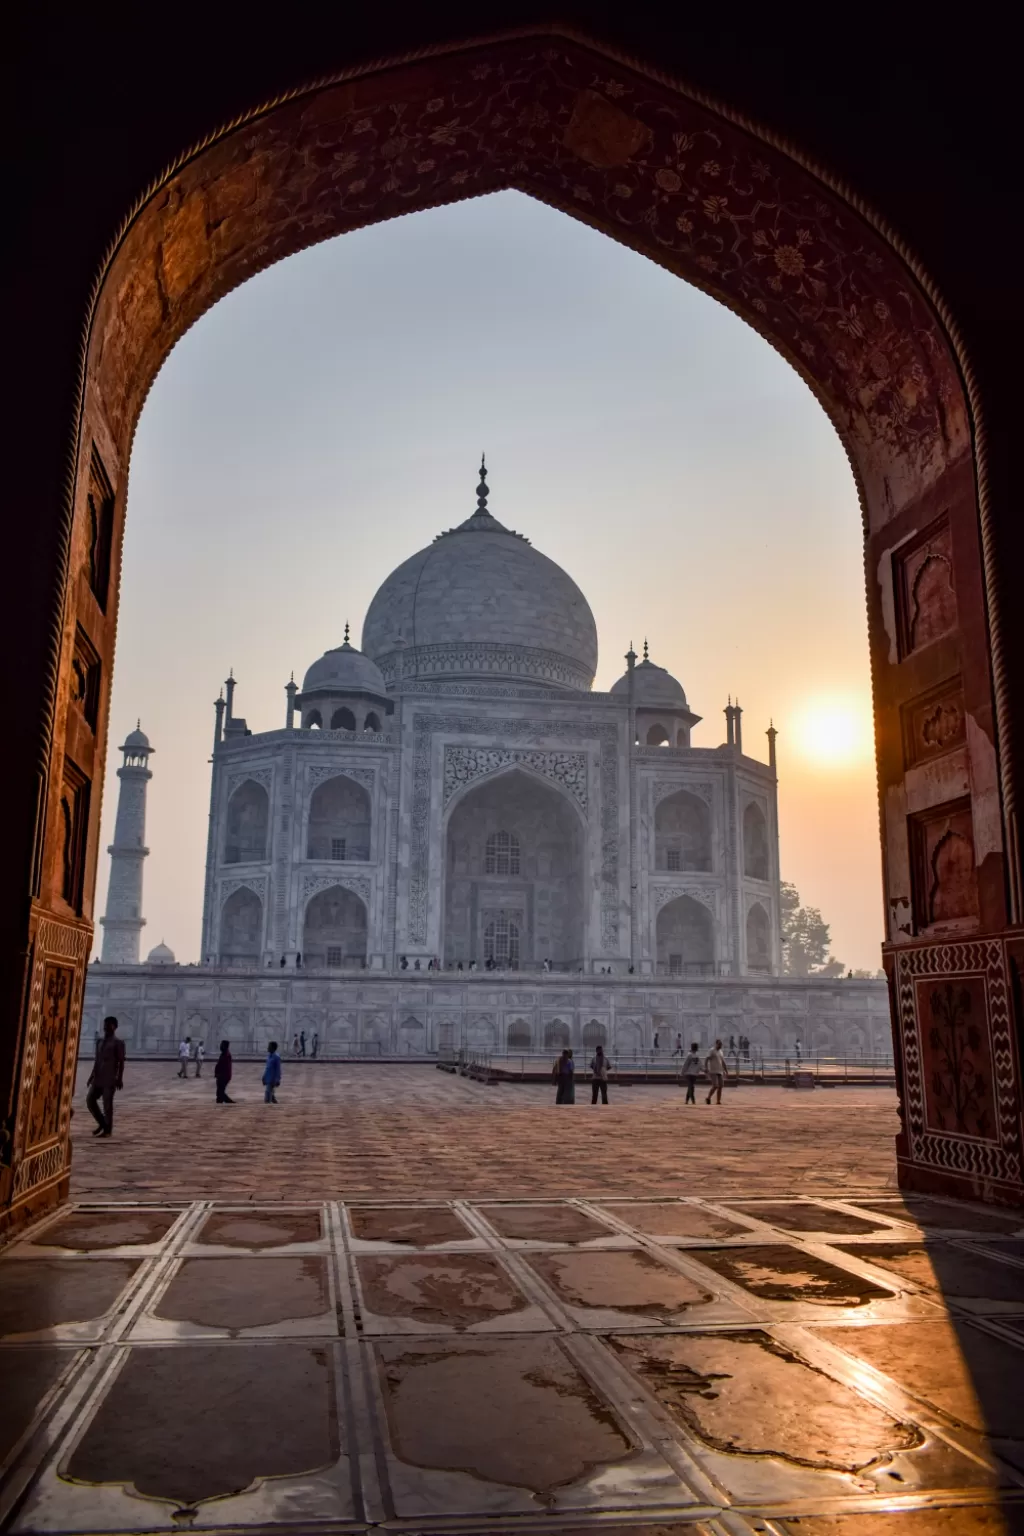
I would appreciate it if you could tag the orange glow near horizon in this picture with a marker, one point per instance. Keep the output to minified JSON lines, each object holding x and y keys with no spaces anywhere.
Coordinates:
{"x":833,"y":733}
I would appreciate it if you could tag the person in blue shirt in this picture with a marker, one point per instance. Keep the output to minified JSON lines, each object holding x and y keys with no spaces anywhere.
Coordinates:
{"x":271,"y":1074}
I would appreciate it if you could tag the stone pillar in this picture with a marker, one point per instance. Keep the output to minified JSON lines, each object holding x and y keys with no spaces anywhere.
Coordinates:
{"x":737,"y":719}
{"x":123,"y":921}
{"x":291,"y":689}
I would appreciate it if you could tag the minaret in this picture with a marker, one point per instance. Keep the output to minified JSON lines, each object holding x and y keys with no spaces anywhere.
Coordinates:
{"x":771,"y":733}
{"x":123,"y":922}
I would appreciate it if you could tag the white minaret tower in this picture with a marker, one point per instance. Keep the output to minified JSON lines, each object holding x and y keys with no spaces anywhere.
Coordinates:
{"x":123,"y":923}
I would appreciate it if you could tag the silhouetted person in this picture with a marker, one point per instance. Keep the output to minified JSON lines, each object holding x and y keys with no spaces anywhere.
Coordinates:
{"x":282,"y":962}
{"x":222,"y":1073}
{"x":298,"y":962}
{"x":314,"y":1045}
{"x":403,"y":964}
{"x":563,"y":1073}
{"x":106,"y":1077}
{"x":271,"y":1074}
{"x":690,"y":1070}
{"x":599,"y":1076}
{"x":302,"y":1043}
{"x":716,"y":1069}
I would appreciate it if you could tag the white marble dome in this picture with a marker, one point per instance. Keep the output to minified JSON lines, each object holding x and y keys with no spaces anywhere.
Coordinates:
{"x":344,"y":670}
{"x":161,"y":954}
{"x":480,"y":601}
{"x":655,"y":687}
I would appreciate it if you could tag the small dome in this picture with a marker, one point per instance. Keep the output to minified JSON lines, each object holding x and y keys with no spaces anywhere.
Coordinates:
{"x":136,"y":741}
{"x":655,"y":687}
{"x":344,"y":670}
{"x":162,"y":954}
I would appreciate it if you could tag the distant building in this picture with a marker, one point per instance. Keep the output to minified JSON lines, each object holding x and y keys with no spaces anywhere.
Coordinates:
{"x":456,"y":793}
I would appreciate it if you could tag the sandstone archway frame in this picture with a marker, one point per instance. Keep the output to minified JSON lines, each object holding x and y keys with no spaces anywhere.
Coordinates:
{"x":728,"y":208}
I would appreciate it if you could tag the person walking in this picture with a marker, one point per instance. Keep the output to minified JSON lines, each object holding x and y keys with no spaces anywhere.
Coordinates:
{"x":184,"y":1052}
{"x":715,"y":1067}
{"x":563,"y":1073}
{"x":599,"y":1076}
{"x":679,"y":1046}
{"x":314,"y":1045}
{"x":222,"y":1073}
{"x":690,"y":1070}
{"x":106,"y":1077}
{"x":302,"y":1043}
{"x":271,"y":1074}
{"x":200,"y":1057}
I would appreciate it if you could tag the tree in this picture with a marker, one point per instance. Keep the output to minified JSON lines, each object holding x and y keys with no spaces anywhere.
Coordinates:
{"x":805,"y":938}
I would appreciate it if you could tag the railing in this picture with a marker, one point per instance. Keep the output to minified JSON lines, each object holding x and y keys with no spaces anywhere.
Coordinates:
{"x":666,"y":1067}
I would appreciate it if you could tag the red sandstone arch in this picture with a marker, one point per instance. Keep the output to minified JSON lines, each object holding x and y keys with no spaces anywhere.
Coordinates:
{"x":711,"y":199}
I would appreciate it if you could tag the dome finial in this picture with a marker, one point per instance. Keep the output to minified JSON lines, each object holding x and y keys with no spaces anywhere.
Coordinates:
{"x":646,"y":656}
{"x":482,"y":490}
{"x":345,"y":642}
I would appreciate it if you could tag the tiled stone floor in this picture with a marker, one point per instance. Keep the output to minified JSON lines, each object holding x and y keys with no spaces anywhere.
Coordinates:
{"x":750,"y":1358}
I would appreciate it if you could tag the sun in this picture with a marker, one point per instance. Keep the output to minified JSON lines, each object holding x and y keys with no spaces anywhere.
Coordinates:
{"x":834,"y":733}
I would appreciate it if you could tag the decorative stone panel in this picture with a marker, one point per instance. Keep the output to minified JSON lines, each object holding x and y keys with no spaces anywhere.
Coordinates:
{"x":706,"y":895}
{"x":359,"y":885}
{"x":319,"y":773}
{"x":264,"y":777}
{"x":664,"y":787}
{"x":462,"y":765}
{"x":255,"y":883}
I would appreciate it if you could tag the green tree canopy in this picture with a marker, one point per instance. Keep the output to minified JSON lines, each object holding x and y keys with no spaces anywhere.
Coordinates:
{"x":805,"y":938}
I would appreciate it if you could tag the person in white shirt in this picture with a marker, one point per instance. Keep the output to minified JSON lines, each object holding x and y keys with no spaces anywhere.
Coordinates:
{"x":690,"y":1071}
{"x":184,"y":1052}
{"x":200,"y":1057}
{"x":714,"y":1065}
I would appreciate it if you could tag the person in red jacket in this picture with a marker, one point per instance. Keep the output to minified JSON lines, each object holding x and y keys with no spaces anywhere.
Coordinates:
{"x":222,"y":1073}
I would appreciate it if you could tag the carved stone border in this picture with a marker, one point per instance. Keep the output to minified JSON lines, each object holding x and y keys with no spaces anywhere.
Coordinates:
{"x":950,"y":1151}
{"x":464,"y":765}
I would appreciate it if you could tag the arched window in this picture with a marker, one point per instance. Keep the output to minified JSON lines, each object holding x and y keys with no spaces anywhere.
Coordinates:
{"x":682,"y":833}
{"x":502,"y":854}
{"x":519,"y":1035}
{"x":685,"y":938}
{"x":372,"y":722}
{"x":755,"y":843}
{"x":556,"y":1034}
{"x":682,"y":737}
{"x":594,"y":1034}
{"x":248,"y":820}
{"x":343,"y":720}
{"x":339,"y":821}
{"x":501,"y":941}
{"x":759,"y":952}
{"x":241,"y":928}
{"x":334,"y":930}
{"x":313,"y":720}
{"x":657,"y":736}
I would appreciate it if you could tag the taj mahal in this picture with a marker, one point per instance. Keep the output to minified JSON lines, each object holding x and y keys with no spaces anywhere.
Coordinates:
{"x":453,"y":839}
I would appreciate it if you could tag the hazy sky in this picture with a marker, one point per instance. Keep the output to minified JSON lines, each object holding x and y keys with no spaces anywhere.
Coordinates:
{"x":326,"y":420}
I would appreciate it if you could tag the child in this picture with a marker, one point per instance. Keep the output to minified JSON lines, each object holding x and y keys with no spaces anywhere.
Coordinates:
{"x":222,"y":1072}
{"x":271,"y":1074}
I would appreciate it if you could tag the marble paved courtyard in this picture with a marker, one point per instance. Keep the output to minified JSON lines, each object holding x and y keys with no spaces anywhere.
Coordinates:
{"x":402,"y":1300}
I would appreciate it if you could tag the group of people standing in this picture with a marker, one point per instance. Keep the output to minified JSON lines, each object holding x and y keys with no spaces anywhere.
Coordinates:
{"x":299,"y":1045}
{"x":563,"y":1074}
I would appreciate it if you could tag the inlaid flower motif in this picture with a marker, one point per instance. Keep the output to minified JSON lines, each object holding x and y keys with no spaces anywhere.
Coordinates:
{"x":711,"y":168}
{"x":445,"y":133}
{"x":761,"y":237}
{"x":879,"y":365}
{"x":685,"y":224}
{"x":459,"y":177}
{"x":583,"y":194}
{"x":435,"y":104}
{"x":346,"y":162}
{"x":759,"y":170}
{"x":423,"y":166}
{"x":613,"y":88}
{"x":851,"y":323}
{"x":881,"y":309}
{"x":357,"y":186}
{"x":620,"y":189}
{"x":683,"y":142}
{"x":708,"y":263}
{"x":789,"y":260}
{"x":716,"y":208}
{"x":479,"y":71}
{"x":363,"y":126}
{"x":804,"y":237}
{"x":393,"y":147}
{"x":760,"y":306}
{"x":667,"y":180}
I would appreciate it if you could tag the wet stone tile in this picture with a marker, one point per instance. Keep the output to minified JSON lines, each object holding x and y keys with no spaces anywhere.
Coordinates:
{"x":545,"y":1223}
{"x":745,"y":1393}
{"x":420,"y":1227}
{"x":246,"y":1292}
{"x":514,"y":1412}
{"x":28,"y":1372}
{"x":923,"y":1212}
{"x":454,"y":1291}
{"x":43,"y":1293}
{"x":975,"y":1378}
{"x":91,"y":1230}
{"x":804,"y":1216}
{"x":671,"y":1218}
{"x":941,"y":1267}
{"x":260,"y":1229}
{"x":198,"y":1421}
{"x":633,"y":1282}
{"x":778,"y":1272}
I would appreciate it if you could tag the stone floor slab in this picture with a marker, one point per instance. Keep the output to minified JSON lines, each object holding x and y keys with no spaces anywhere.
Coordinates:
{"x":260,"y":1229}
{"x":455,"y":1291}
{"x":199,"y":1422}
{"x":919,"y":1211}
{"x":951,"y":1271}
{"x":673,"y":1218}
{"x":42,"y":1294}
{"x":28,"y":1373}
{"x":238,"y":1294}
{"x":808,"y":1216}
{"x":784,"y":1272}
{"x":545,"y":1223}
{"x":417,"y":1227}
{"x":622,"y":1284}
{"x":89,"y":1231}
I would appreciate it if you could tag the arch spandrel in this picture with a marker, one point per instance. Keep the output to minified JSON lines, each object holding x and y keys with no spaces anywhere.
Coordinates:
{"x":564,"y":122}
